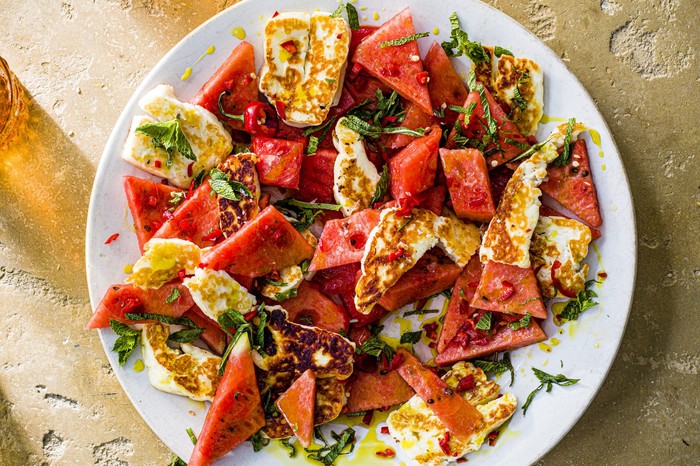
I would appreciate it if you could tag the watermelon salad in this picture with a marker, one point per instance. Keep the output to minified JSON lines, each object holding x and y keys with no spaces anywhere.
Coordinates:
{"x":293,"y":209}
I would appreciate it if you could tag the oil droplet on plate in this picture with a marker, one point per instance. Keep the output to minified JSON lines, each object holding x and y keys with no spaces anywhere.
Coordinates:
{"x":186,"y":75}
{"x":596,"y":345}
{"x":238,"y":32}
{"x":548,"y":119}
{"x":363,"y":8}
{"x":436,"y":31}
{"x":604,"y":167}
{"x":139,"y":366}
{"x":128,"y":268}
{"x":595,"y":136}
{"x":544,"y":347}
{"x":375,"y":16}
{"x":554,"y":341}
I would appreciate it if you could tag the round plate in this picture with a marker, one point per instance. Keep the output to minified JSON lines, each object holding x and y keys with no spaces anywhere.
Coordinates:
{"x":584,"y":349}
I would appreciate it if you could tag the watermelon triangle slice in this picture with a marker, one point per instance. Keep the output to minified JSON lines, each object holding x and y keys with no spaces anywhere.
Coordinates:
{"x":298,"y":405}
{"x":393,"y":65}
{"x":572,"y":186}
{"x":445,"y":85}
{"x":508,"y":288}
{"x":147,"y":201}
{"x":236,"y":412}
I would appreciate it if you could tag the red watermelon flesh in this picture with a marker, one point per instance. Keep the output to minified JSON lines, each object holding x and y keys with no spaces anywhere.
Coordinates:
{"x":413,"y":169}
{"x":504,"y":339}
{"x":279,"y":161}
{"x":460,"y":417}
{"x":510,"y":289}
{"x":374,"y":390}
{"x":459,"y":310}
{"x":337,"y":280}
{"x":356,"y":317}
{"x":236,"y":412}
{"x":573,"y":187}
{"x":121,"y":299}
{"x":213,"y":336}
{"x":499,"y":179}
{"x":393,"y":65}
{"x":364,"y":86}
{"x":475,"y":128}
{"x":265,"y":244}
{"x":415,"y":118}
{"x":323,"y":312}
{"x":194,"y":219}
{"x":343,"y":240}
{"x":445,"y":85}
{"x":429,"y":276}
{"x":237,"y":76}
{"x":358,"y":36}
{"x":147,"y":201}
{"x":298,"y":405}
{"x":432,"y":199}
{"x":468,"y":183}
{"x":316,"y":177}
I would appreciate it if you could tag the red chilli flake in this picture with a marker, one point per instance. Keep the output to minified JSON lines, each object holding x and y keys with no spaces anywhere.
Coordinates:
{"x":508,"y":290}
{"x":112,"y":238}
{"x":602,"y":275}
{"x":181,"y":274}
{"x":389,"y":119}
{"x":467,"y":383}
{"x":152,"y":201}
{"x":431,"y":330}
{"x":281,"y":108}
{"x":355,"y":71}
{"x":367,"y":418}
{"x":388,"y":453}
{"x":289,"y":46}
{"x":399,"y":253}
{"x":157,"y":164}
{"x":555,"y":281}
{"x":275,"y":13}
{"x":493,"y":436}
{"x":384,"y":430}
{"x":190,"y":170}
{"x":445,"y":444}
{"x":461,"y":460}
{"x":423,"y":78}
{"x":213,"y":236}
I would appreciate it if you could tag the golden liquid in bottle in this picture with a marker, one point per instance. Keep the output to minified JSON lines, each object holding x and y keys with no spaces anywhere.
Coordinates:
{"x":13,"y":108}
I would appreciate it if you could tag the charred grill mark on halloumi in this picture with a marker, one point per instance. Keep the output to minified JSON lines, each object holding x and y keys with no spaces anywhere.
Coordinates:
{"x":565,"y":240}
{"x":291,"y":347}
{"x":234,"y":214}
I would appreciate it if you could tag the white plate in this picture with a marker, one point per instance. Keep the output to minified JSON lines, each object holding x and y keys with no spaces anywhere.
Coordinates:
{"x":586,"y":349}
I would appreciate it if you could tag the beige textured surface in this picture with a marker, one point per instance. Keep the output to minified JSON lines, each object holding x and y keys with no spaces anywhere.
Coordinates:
{"x":81,"y":60}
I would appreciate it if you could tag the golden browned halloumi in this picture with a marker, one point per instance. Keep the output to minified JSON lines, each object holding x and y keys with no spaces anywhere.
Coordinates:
{"x":162,"y":259}
{"x":419,"y":431}
{"x":565,"y":240}
{"x":234,"y":214}
{"x":295,"y":348}
{"x":458,"y":238}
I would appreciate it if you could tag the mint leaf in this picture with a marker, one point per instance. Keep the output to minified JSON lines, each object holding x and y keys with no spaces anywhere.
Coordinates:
{"x":485,"y":322}
{"x":127,"y":341}
{"x":168,"y":135}
{"x":403,"y":40}
{"x":522,"y":323}
{"x":174,"y":295}
{"x":222,"y":185}
{"x":382,"y":186}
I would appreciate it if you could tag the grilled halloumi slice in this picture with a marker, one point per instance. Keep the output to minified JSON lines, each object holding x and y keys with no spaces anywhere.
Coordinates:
{"x":324,"y":70}
{"x":191,"y":372}
{"x":290,"y":279}
{"x":282,"y":72}
{"x":565,"y":240}
{"x":394,"y":246}
{"x":210,"y":142}
{"x":507,"y":239}
{"x":355,"y":178}
{"x":558,"y":136}
{"x":161,"y":261}
{"x":419,"y":432}
{"x":215,"y":291}
{"x":234,"y":214}
{"x":296,"y":348}
{"x":457,"y":238}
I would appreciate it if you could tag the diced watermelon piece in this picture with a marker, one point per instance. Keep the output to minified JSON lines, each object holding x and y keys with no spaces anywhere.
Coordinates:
{"x":509,"y":288}
{"x":459,"y":310}
{"x":147,"y":201}
{"x":468,"y":183}
{"x":459,"y":416}
{"x":445,"y":85}
{"x":364,"y":86}
{"x":195,"y":219}
{"x":432,"y":199}
{"x":323,"y":312}
{"x":121,"y":299}
{"x":393,"y":65}
{"x":504,"y":339}
{"x":265,"y":244}
{"x":374,"y":390}
{"x":279,"y":161}
{"x":413,"y":169}
{"x":337,"y":280}
{"x":236,"y":412}
{"x":358,"y":36}
{"x":343,"y":241}
{"x":237,"y":76}
{"x":316,"y":178}
{"x":573,"y":187}
{"x":415,"y":119}
{"x":298,"y":404}
{"x":429,"y":276}
{"x":356,"y":317}
{"x":549,"y":212}
{"x":499,"y":179}
{"x":213,"y":336}
{"x":509,"y":138}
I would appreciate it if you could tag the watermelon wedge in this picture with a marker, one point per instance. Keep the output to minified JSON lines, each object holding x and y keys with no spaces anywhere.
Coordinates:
{"x":147,"y":201}
{"x":445,"y":86}
{"x":194,"y":219}
{"x":374,"y":390}
{"x":468,"y":182}
{"x":504,"y":339}
{"x":459,"y":416}
{"x":359,"y":319}
{"x":121,"y":299}
{"x":265,"y":244}
{"x":459,"y":310}
{"x":415,"y":118}
{"x":508,"y":288}
{"x":413,"y":169}
{"x":316,"y":176}
{"x":236,"y":412}
{"x":572,"y":186}
{"x":510,"y":140}
{"x":343,"y":240}
{"x":213,"y":336}
{"x":310,"y":303}
{"x":298,"y":405}
{"x":237,"y":76}
{"x":279,"y":161}
{"x":393,"y":65}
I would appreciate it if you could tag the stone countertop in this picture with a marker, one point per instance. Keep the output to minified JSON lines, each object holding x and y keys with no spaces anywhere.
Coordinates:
{"x":81,"y":60}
